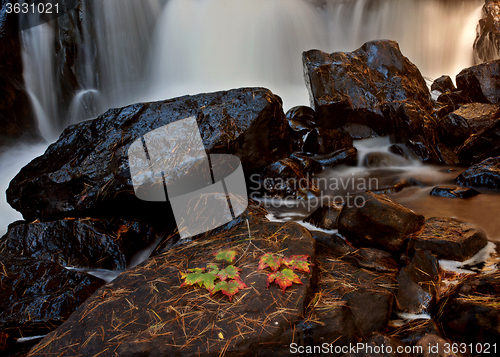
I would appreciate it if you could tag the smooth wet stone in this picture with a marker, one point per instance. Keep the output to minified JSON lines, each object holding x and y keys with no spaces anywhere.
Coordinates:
{"x":333,"y":245}
{"x":481,"y":83}
{"x":82,"y":242}
{"x":286,"y":178}
{"x":363,"y":86}
{"x":86,"y":172}
{"x":470,"y":313}
{"x":447,"y":155}
{"x":443,"y":84}
{"x":450,"y":239}
{"x":157,"y":317}
{"x":397,"y":150}
{"x":307,"y":163}
{"x":378,"y":222}
{"x":433,"y":345}
{"x":369,"y":295}
{"x":453,"y":192}
{"x":485,"y":174}
{"x":301,"y":120}
{"x":372,"y":259}
{"x":38,"y":295}
{"x":326,"y":141}
{"x":417,"y":283}
{"x":325,"y":217}
{"x":339,"y":157}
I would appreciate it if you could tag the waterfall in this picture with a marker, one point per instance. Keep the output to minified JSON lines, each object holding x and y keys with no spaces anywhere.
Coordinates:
{"x":129,"y":51}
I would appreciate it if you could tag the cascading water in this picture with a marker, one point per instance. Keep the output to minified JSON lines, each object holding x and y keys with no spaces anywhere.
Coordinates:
{"x":132,"y":51}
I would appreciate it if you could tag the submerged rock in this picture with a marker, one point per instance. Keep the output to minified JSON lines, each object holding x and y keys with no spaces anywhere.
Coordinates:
{"x":87,"y":173}
{"x":82,"y":243}
{"x":485,"y":174}
{"x":378,"y":222}
{"x":450,"y":239}
{"x":38,"y":295}
{"x":453,"y":192}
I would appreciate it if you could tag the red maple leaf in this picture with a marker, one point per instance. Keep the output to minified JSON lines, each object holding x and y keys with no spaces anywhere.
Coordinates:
{"x":298,"y":262}
{"x":270,"y":260}
{"x":283,"y":278}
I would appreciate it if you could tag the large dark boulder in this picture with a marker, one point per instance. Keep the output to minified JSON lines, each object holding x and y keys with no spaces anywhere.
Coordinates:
{"x":443,"y":84}
{"x":38,"y":295}
{"x":479,"y":116}
{"x":480,"y":146}
{"x":485,"y":174}
{"x":82,"y":243}
{"x":487,"y":42}
{"x":364,"y":87}
{"x":481,"y":82}
{"x":377,"y":221}
{"x":16,"y":114}
{"x":157,"y":317}
{"x":450,"y":239}
{"x":470,"y":311}
{"x":86,"y":172}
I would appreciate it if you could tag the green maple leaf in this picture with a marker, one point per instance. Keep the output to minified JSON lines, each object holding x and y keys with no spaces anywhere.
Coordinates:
{"x":283,"y":278}
{"x":298,"y":262}
{"x":226,"y":255}
{"x":270,"y":260}
{"x":206,"y":280}
{"x":212,"y":268}
{"x":228,"y":288}
{"x":230,"y":272}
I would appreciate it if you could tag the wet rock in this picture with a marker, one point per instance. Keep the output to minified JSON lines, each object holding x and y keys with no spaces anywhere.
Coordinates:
{"x":339,"y":157}
{"x":16,"y":114}
{"x":157,"y":317}
{"x":381,"y":159}
{"x":454,"y":99}
{"x":447,"y":155}
{"x":307,"y":163}
{"x":326,"y":141}
{"x":86,"y":172}
{"x":412,"y":331}
{"x":470,"y":312}
{"x":301,"y":120}
{"x":325,"y":217}
{"x":333,"y":245}
{"x":359,"y":131}
{"x":417,"y":283}
{"x":39,"y":295}
{"x":397,"y":150}
{"x":453,"y":192}
{"x":364,"y":87}
{"x":82,"y":243}
{"x":481,"y":82}
{"x":435,"y":346}
{"x":454,"y":129}
{"x":450,"y":239}
{"x":372,"y":259}
{"x":443,"y":84}
{"x":380,"y":345}
{"x":419,"y":131}
{"x":481,"y":146}
{"x":378,"y":222}
{"x":368,"y":295}
{"x":487,"y":42}
{"x":287,"y":178}
{"x":479,"y":116}
{"x":485,"y":174}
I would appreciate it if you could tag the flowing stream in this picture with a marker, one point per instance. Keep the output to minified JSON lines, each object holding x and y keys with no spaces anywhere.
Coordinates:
{"x":157,"y":49}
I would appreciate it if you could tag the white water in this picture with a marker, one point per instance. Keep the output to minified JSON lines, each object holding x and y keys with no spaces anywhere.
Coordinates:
{"x":155,"y":49}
